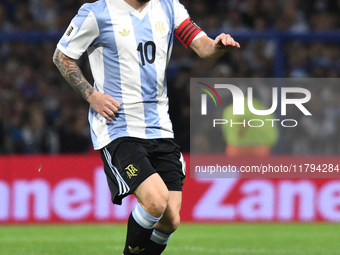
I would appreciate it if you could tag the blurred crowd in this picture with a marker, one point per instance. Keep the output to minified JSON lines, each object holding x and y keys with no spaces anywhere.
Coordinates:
{"x":40,"y":113}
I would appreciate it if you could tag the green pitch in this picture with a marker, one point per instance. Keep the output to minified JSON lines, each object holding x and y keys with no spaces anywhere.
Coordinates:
{"x":198,"y":239}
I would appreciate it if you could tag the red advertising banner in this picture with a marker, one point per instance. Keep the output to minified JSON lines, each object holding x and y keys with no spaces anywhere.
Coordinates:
{"x":39,"y":189}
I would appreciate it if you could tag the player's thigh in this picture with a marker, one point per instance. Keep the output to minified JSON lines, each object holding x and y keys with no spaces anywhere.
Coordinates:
{"x":171,"y":218}
{"x":126,"y":166}
{"x":153,"y":195}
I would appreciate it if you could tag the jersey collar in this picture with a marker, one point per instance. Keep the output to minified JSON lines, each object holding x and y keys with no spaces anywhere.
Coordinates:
{"x":124,"y":5}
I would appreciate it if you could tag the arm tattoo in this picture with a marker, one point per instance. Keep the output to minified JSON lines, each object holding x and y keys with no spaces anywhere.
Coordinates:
{"x":72,"y":73}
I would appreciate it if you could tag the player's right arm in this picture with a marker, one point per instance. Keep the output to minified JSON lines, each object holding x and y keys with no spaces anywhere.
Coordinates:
{"x":101,"y":103}
{"x":82,"y":31}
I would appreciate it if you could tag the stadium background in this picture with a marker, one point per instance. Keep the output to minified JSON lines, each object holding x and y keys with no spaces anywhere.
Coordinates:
{"x":50,"y":174}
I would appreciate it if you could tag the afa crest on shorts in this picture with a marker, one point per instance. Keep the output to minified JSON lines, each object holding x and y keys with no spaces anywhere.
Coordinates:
{"x":131,"y":171}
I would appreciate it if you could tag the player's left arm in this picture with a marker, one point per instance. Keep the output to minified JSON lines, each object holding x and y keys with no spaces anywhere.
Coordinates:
{"x":191,"y":35}
{"x":210,"y":49}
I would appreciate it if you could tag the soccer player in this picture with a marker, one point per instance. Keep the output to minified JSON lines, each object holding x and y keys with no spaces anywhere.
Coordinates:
{"x":129,"y":43}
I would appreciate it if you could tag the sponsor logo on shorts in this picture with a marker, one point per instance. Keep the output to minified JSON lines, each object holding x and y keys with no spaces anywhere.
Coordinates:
{"x":135,"y":250}
{"x":131,"y":171}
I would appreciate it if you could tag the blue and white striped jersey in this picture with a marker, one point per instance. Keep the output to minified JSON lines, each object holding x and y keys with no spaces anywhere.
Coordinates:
{"x":128,"y":53}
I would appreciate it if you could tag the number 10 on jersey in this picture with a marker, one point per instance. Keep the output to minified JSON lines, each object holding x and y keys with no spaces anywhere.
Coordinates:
{"x":144,"y":51}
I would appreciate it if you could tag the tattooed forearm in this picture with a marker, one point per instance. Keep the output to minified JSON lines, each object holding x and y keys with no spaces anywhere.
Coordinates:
{"x":72,"y":73}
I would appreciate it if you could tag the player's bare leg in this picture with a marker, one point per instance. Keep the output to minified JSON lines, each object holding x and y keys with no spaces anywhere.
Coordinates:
{"x":171,"y":219}
{"x":153,"y":197}
{"x":166,"y":225}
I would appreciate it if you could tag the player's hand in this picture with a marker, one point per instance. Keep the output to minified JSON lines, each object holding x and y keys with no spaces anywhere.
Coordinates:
{"x":225,"y":42}
{"x":105,"y":105}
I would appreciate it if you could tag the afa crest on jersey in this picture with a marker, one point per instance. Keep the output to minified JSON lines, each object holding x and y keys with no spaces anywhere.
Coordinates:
{"x":160,"y":28}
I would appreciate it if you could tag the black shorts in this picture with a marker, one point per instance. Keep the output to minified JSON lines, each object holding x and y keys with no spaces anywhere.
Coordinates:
{"x":129,"y":161}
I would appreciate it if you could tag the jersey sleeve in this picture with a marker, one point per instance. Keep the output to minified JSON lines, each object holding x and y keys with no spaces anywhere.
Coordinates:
{"x":185,"y":29}
{"x":81,"y":32}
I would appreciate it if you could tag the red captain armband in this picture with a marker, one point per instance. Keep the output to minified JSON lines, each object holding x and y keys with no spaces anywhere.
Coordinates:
{"x":187,"y":32}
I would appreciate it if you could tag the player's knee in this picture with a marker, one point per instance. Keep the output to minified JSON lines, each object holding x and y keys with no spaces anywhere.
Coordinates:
{"x":157,"y":204}
{"x":174,"y":223}
{"x":171,"y":224}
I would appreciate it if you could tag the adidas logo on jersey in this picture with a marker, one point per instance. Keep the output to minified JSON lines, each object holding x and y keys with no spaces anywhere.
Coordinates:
{"x":124,"y":32}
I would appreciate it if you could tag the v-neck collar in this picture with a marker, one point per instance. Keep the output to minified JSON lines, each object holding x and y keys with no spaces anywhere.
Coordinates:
{"x":133,"y":11}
